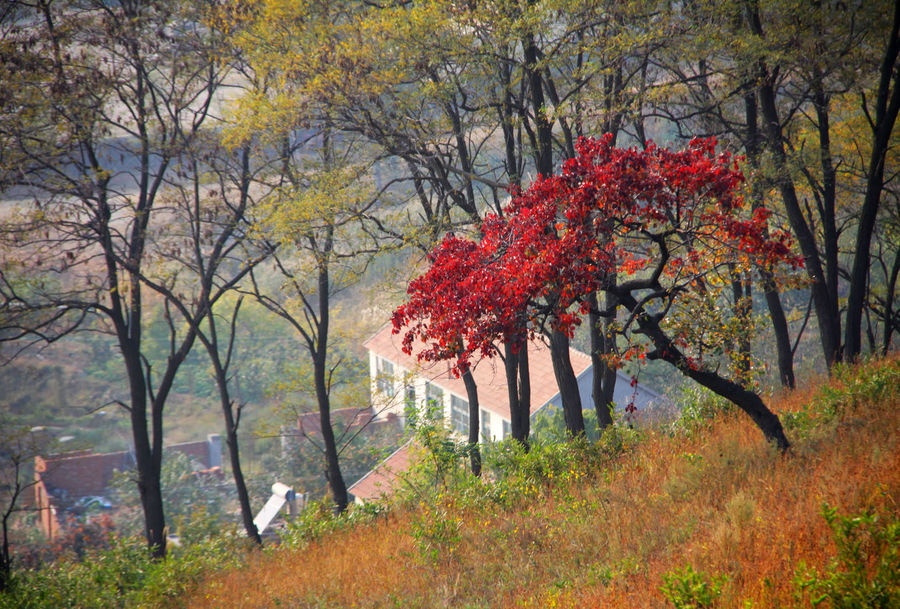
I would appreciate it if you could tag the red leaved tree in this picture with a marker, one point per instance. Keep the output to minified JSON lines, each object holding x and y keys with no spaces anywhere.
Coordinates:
{"x":670,"y":225}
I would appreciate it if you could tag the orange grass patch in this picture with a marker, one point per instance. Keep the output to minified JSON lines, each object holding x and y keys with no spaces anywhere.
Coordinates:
{"x":720,"y":500}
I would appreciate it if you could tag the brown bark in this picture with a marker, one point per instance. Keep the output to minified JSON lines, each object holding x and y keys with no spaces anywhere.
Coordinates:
{"x":567,"y":383}
{"x":518,"y":387}
{"x":474,"y":423}
{"x":603,"y":384}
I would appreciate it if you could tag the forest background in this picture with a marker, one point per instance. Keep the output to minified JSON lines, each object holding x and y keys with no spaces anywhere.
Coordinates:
{"x":207,"y":207}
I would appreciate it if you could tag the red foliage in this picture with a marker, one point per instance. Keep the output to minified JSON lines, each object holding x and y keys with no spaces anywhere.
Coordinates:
{"x":676,"y":213}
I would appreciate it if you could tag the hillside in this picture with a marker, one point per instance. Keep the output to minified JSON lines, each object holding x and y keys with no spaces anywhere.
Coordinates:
{"x":698,"y":513}
{"x":704,"y":506}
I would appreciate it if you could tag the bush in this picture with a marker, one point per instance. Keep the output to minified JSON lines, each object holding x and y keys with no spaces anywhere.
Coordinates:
{"x":697,"y":407}
{"x":123,"y":575}
{"x":866,"y":572}
{"x":689,"y":589}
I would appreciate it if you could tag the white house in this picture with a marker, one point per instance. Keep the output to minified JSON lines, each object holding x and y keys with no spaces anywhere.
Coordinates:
{"x":400,"y":382}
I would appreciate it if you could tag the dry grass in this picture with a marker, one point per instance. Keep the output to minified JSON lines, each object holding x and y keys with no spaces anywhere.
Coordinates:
{"x":720,"y":500}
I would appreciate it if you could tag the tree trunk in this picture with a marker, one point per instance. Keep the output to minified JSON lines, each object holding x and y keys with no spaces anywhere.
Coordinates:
{"x":743,"y":308}
{"x":773,"y":300}
{"x":829,"y":324}
{"x":567,"y":383}
{"x":885,"y":117}
{"x":780,"y":328}
{"x":889,"y":321}
{"x":519,"y":427}
{"x":231,"y":427}
{"x":524,"y":392}
{"x":474,"y":424}
{"x":748,"y":401}
{"x":148,"y":473}
{"x":543,"y":153}
{"x":320,"y":364}
{"x":604,"y":376}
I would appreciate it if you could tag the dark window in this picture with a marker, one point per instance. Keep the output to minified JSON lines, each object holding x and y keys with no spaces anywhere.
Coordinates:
{"x":434,"y":402}
{"x":459,"y":414}
{"x":384,"y":376}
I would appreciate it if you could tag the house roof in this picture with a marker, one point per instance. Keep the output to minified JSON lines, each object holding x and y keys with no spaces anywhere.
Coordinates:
{"x":488,"y":373}
{"x":84,"y":473}
{"x":310,"y":423}
{"x":384,"y":477}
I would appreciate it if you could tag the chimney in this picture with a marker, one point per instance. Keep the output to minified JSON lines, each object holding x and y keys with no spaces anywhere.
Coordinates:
{"x":214,"y":448}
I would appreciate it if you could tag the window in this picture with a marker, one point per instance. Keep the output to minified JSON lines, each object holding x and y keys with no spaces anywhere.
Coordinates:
{"x":507,"y":429}
{"x":409,"y":404}
{"x":384,"y":376}
{"x":459,"y":414}
{"x":486,"y":426}
{"x":434,"y":402}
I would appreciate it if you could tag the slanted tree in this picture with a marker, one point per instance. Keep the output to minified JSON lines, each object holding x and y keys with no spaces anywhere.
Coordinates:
{"x":671,"y":222}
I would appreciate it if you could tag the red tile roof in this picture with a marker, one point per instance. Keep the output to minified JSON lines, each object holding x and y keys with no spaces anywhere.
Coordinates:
{"x":384,"y":477}
{"x":488,"y":373}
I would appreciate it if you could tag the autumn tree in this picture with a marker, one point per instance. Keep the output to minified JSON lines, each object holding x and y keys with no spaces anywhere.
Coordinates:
{"x":672,"y":221}
{"x":461,"y":101}
{"x":99,"y":99}
{"x":805,"y":90}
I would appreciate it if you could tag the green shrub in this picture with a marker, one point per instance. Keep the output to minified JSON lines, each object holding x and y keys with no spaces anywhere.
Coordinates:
{"x":865,"y":574}
{"x":857,"y":386}
{"x":697,"y":407}
{"x":319,"y":518}
{"x":689,"y":589}
{"x":124,"y":575}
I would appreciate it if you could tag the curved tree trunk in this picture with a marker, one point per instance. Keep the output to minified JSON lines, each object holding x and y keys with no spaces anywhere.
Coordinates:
{"x":748,"y":401}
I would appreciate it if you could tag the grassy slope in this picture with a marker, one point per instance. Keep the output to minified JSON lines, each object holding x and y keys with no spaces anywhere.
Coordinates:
{"x":604,"y":534}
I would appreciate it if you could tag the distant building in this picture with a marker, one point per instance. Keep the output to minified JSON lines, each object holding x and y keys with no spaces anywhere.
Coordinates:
{"x":400,"y":382}
{"x":343,"y":421}
{"x":384,"y":478}
{"x":66,"y":480}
